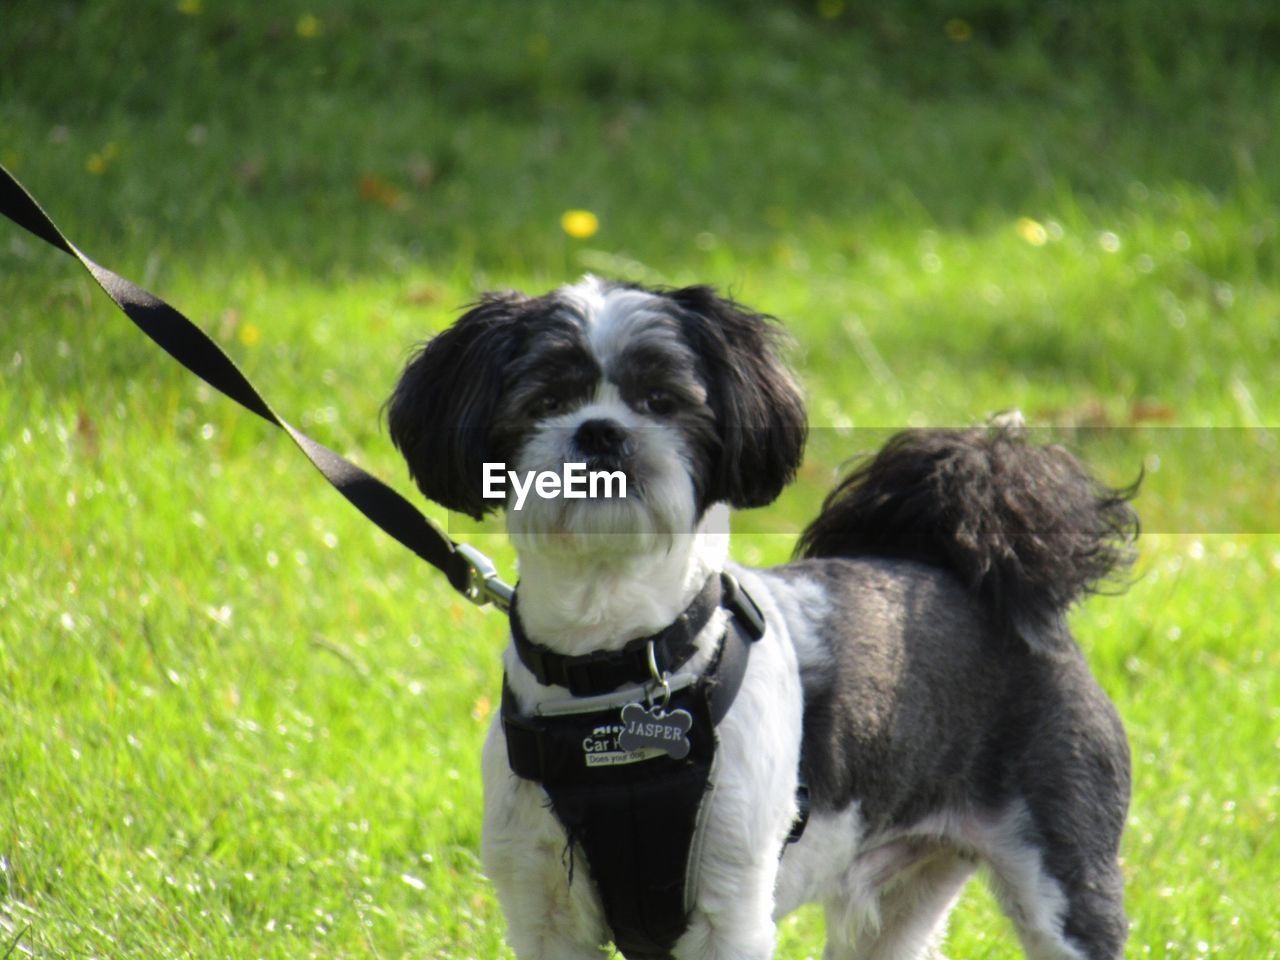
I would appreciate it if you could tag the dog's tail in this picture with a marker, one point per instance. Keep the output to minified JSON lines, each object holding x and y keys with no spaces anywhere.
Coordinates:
{"x":1025,"y":527}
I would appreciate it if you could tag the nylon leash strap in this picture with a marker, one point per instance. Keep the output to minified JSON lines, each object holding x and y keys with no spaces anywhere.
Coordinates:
{"x":469,"y":572}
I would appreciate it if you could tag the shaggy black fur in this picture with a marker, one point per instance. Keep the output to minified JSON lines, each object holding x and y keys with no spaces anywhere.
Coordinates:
{"x":1025,"y":527}
{"x":758,"y":406}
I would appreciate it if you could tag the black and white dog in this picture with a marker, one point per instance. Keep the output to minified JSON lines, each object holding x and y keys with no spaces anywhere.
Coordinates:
{"x":915,"y":668}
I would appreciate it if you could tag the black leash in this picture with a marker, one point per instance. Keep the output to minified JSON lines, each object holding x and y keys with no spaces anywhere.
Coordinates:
{"x":470,"y":572}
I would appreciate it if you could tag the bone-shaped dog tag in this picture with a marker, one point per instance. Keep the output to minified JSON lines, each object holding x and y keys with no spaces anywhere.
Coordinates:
{"x":654,"y":728}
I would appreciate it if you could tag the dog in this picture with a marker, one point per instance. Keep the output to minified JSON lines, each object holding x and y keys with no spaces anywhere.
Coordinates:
{"x":912,"y":668}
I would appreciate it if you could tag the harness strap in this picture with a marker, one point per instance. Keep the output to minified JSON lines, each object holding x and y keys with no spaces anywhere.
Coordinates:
{"x":592,"y":674}
{"x":535,"y":743}
{"x":633,"y":819}
{"x":636,"y":818}
{"x":531,"y":738}
{"x":193,"y":348}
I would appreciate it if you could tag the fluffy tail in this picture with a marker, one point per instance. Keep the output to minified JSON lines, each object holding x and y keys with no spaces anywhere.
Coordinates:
{"x":1026,"y":528}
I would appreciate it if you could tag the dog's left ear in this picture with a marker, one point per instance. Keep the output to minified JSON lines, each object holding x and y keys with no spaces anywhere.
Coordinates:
{"x":759,"y":408}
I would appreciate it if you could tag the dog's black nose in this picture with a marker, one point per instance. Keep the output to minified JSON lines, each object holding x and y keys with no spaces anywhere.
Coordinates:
{"x":601,"y":438}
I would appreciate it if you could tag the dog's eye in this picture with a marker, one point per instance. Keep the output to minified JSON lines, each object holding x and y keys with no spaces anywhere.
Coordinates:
{"x":547,"y":405}
{"x":658,"y":402}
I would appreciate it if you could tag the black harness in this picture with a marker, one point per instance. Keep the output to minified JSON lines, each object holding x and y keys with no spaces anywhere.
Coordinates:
{"x":627,"y":780}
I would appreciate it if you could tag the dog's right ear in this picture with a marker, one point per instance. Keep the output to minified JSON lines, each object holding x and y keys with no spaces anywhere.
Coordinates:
{"x":442,"y":412}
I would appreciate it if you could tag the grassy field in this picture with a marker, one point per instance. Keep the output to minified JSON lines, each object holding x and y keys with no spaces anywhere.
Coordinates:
{"x":237,"y":722}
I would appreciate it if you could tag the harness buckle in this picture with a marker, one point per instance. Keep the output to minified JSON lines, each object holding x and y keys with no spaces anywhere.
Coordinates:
{"x":744,"y":608}
{"x":483,"y":583}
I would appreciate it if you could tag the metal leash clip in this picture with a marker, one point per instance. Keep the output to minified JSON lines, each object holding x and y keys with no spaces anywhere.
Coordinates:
{"x":659,"y":677}
{"x":485,"y":585}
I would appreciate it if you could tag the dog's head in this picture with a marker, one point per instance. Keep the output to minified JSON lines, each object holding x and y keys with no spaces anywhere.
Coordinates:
{"x":682,"y":392}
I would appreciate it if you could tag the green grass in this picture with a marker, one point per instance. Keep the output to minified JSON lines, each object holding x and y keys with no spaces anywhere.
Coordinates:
{"x":237,"y":722}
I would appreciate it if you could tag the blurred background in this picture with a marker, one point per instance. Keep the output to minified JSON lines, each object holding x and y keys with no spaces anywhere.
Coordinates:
{"x":234,"y":721}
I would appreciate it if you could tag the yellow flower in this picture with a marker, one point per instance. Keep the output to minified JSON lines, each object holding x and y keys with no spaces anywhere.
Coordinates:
{"x":98,"y":162}
{"x":538,"y":45}
{"x":959,"y":31}
{"x":308,"y":26}
{"x":250,"y":335}
{"x":190,"y":7}
{"x":579,"y":224}
{"x":1031,"y":231}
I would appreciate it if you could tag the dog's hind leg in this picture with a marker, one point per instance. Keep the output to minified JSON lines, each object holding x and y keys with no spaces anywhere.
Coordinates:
{"x":1063,"y":893}
{"x":911,"y":920}
{"x":1082,"y":921}
{"x":1055,"y":851}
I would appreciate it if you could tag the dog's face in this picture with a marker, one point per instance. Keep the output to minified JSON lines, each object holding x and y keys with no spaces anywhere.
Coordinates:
{"x":681,"y":391}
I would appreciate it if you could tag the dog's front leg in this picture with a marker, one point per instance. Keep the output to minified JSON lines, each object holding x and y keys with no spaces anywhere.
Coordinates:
{"x":732,"y":918}
{"x":749,"y":814}
{"x":523,"y":852}
{"x":736,"y":923}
